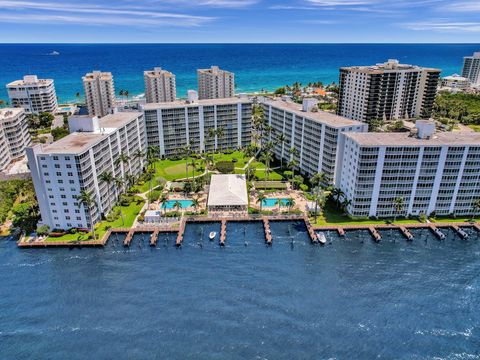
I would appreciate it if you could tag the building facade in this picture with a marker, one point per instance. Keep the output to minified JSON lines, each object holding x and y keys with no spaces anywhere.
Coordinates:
{"x":215,"y":83}
{"x":204,"y":125}
{"x":432,"y":173}
{"x":33,"y":94}
{"x":159,"y":86}
{"x":455,"y":82}
{"x":314,"y":134}
{"x":471,"y":68}
{"x":61,"y":170}
{"x":14,"y":136}
{"x":387,"y":91}
{"x":99,"y":93}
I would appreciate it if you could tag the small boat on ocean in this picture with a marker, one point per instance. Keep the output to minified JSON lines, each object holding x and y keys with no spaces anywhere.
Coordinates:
{"x":212,"y":235}
{"x":321,"y":238}
{"x":54,"y":53}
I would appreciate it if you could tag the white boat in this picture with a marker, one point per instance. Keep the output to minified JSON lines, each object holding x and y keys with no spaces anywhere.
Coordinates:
{"x":212,"y":235}
{"x":321,"y":238}
{"x":54,"y":53}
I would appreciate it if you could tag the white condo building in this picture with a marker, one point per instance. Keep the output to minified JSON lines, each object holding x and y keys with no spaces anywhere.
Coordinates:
{"x":387,"y":91}
{"x":99,"y":93}
{"x":33,"y":94}
{"x":315,"y":135}
{"x":159,"y":86}
{"x":455,"y":82}
{"x":14,"y":136}
{"x":431,"y":172}
{"x":471,"y":68}
{"x":215,"y":83}
{"x":62,"y":169}
{"x":173,"y":125}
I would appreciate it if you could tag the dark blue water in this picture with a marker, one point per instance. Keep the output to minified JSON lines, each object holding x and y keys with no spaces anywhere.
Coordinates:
{"x":256,"y":66}
{"x":352,"y":299}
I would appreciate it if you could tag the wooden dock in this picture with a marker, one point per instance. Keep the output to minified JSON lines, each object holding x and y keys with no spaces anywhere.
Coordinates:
{"x":181,"y":232}
{"x":268,"y":233}
{"x":223,"y":232}
{"x":311,"y":231}
{"x":408,"y":235}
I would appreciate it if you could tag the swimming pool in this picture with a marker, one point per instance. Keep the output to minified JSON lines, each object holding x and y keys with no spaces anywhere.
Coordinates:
{"x":170,"y":204}
{"x":272,"y":202}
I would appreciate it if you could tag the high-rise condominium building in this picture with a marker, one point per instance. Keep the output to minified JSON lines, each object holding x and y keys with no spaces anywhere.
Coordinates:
{"x":61,"y":170}
{"x":33,"y":94}
{"x":430,"y":172}
{"x":205,"y":125}
{"x":14,"y":136}
{"x":471,"y":68}
{"x":215,"y":83}
{"x":387,"y":91}
{"x":99,"y":93}
{"x":159,"y":86}
{"x":315,"y":135}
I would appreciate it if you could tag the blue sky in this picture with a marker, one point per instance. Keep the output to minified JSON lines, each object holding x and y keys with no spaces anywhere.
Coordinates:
{"x":213,"y":21}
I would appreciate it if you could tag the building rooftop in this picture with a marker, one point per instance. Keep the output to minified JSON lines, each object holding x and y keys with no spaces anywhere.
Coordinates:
{"x":98,"y":74}
{"x":8,"y":113}
{"x":408,"y":139}
{"x":323,"y":117}
{"x":390,"y":65}
{"x":206,"y":102}
{"x":30,"y":80}
{"x":230,"y":189}
{"x":156,"y":72}
{"x":79,"y":142}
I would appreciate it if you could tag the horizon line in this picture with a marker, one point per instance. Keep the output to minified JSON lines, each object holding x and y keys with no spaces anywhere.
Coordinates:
{"x":238,"y":43}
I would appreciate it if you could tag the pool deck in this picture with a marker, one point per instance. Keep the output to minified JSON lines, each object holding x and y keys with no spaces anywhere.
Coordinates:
{"x":311,"y":229}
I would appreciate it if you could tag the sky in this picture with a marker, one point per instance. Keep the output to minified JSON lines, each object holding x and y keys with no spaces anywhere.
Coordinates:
{"x":240,"y":21}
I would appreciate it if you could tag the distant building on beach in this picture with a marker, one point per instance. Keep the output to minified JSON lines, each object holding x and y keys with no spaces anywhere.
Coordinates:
{"x":215,"y":83}
{"x":159,"y":86}
{"x":33,"y":94}
{"x":314,"y":135}
{"x":387,"y":91}
{"x":61,"y":170}
{"x":14,"y":136}
{"x":204,"y":125}
{"x":455,"y":82}
{"x":431,"y":172}
{"x":471,"y":68}
{"x":99,"y":93}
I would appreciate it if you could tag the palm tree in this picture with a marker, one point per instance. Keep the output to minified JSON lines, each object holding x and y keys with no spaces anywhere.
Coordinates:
{"x":152,"y":155}
{"x":130,"y":179}
{"x":319,"y":179}
{"x":187,"y":152}
{"x":250,"y":172}
{"x":195,"y":203}
{"x":267,"y":157}
{"x":261,"y":198}
{"x":121,"y":92}
{"x":318,"y":197}
{"x":337,"y":194}
{"x":398,"y":205}
{"x":139,"y":154}
{"x":220,"y":134}
{"x":345,"y":204}
{"x":177,"y":205}
{"x":119,"y":183}
{"x":281,"y":139}
{"x":123,"y":159}
{"x":292,"y":164}
{"x":279,"y":202}
{"x":107,"y":178}
{"x":163,"y":200}
{"x":290,"y":203}
{"x":193,"y":164}
{"x":211,"y":135}
{"x":475,"y":208}
{"x":85,"y":199}
{"x":126,"y":93}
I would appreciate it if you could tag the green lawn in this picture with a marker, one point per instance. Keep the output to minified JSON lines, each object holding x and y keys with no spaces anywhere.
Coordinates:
{"x":129,"y":214}
{"x":449,"y":220}
{"x":170,"y":170}
{"x":239,"y":155}
{"x":260,"y":174}
{"x":333,"y":217}
{"x":475,"y":127}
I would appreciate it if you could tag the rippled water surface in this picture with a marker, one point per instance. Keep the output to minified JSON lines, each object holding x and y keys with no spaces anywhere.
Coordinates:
{"x":351,"y":299}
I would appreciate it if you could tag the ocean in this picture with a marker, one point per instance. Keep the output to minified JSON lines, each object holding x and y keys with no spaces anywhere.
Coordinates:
{"x":257,"y":66}
{"x":350,"y":299}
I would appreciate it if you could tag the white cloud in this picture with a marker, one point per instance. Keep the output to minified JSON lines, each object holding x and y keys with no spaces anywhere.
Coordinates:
{"x":462,"y":6}
{"x":32,"y":11}
{"x":443,"y":26}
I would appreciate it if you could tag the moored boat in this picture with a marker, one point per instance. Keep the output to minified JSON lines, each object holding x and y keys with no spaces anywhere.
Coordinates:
{"x":321,"y":238}
{"x":212,"y":235}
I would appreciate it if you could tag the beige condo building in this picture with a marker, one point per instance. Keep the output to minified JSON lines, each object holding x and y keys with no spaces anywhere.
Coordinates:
{"x":99,"y":93}
{"x":159,"y":85}
{"x":215,"y":83}
{"x":14,"y":136}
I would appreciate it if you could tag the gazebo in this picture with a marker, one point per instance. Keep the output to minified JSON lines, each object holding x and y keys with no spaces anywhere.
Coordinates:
{"x":228,"y":193}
